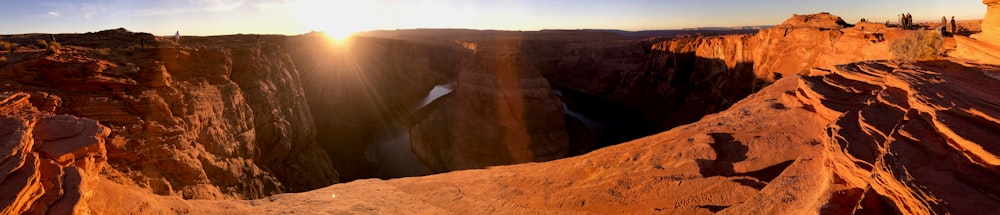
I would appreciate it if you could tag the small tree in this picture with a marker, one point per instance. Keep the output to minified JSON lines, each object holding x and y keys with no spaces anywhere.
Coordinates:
{"x":920,"y":45}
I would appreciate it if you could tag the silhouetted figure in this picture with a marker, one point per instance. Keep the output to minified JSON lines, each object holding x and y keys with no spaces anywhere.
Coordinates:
{"x":944,"y":25}
{"x":954,"y":27}
{"x":901,"y":22}
{"x":177,"y":37}
{"x":909,"y":21}
{"x":142,"y":43}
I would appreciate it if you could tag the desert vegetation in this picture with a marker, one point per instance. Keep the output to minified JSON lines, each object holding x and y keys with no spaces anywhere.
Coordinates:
{"x":918,"y":45}
{"x":8,"y":46}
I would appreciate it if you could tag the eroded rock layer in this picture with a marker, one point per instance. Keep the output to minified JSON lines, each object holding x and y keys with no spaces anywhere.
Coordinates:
{"x":677,"y":81}
{"x":208,"y":123}
{"x":869,"y":138}
{"x":47,"y":161}
{"x":983,"y":47}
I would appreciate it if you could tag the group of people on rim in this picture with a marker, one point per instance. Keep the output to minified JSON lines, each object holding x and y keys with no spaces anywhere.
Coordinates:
{"x":944,"y":26}
{"x":906,"y":21}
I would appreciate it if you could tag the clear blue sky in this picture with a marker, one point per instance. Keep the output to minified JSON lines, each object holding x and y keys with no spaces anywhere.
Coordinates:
{"x":212,"y":17}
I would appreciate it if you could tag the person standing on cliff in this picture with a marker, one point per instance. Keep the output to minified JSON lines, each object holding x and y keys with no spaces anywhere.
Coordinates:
{"x":177,"y":37}
{"x":901,"y":16}
{"x":944,"y":26}
{"x":954,"y":27}
{"x":909,"y":21}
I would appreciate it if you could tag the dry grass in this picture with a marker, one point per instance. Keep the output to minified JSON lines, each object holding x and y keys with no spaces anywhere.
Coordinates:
{"x":8,"y":46}
{"x":920,"y":45}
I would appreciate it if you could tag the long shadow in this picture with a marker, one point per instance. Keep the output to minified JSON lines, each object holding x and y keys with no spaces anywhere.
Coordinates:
{"x":729,"y":151}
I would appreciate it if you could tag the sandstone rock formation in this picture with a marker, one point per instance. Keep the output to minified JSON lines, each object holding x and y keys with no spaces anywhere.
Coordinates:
{"x":502,"y":111}
{"x":676,"y":81}
{"x":983,"y":47}
{"x":47,"y":159}
{"x":820,"y":20}
{"x":871,"y":138}
{"x":194,"y":122}
{"x":248,"y":116}
{"x":991,"y":23}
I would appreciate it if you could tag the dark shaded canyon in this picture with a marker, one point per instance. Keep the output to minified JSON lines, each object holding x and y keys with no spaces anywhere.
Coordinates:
{"x":593,"y":93}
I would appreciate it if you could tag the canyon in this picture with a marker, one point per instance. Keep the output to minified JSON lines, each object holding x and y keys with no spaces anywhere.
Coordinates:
{"x":808,"y":116}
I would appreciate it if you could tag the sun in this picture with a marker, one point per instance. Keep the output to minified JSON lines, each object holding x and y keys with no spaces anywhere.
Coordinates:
{"x":339,"y":36}
{"x":338,"y":19}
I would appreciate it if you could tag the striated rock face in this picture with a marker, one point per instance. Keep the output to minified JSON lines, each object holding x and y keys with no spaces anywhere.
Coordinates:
{"x":202,"y":123}
{"x":677,"y":81}
{"x":991,"y":23}
{"x":983,"y":47}
{"x":923,"y":142}
{"x":502,"y":111}
{"x":867,"y":138}
{"x":47,"y":161}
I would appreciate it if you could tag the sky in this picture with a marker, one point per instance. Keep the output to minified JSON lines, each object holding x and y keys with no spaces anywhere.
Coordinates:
{"x":218,"y":17}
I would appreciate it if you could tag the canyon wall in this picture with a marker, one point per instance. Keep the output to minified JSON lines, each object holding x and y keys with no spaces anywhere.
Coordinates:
{"x":204,"y":123}
{"x":677,"y":81}
{"x":359,"y":90}
{"x":876,"y":137}
{"x":502,"y":111}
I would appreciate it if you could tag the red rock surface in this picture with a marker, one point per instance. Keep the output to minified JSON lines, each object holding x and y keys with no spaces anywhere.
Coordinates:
{"x":676,"y":81}
{"x":869,"y":137}
{"x":202,"y":122}
{"x":222,"y":117}
{"x":47,"y":160}
{"x":983,"y":47}
{"x":820,"y":20}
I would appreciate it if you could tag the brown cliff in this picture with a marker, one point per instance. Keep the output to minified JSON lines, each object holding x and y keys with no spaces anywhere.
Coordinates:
{"x":224,"y":117}
{"x":677,"y":81}
{"x":194,"y":122}
{"x":870,"y":137}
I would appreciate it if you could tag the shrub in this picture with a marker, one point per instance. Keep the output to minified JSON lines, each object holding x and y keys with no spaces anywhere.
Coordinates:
{"x":102,"y":52}
{"x":54,"y":47}
{"x":42,"y":44}
{"x":921,"y":45}
{"x":8,"y":46}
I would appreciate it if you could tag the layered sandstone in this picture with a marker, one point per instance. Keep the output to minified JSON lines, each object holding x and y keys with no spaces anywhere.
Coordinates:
{"x":48,"y":160}
{"x":991,"y":23}
{"x":983,"y":47}
{"x":870,"y":137}
{"x":208,"y":122}
{"x":676,"y":81}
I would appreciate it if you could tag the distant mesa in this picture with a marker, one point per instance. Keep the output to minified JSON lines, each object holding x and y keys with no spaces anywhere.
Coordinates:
{"x":820,"y":20}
